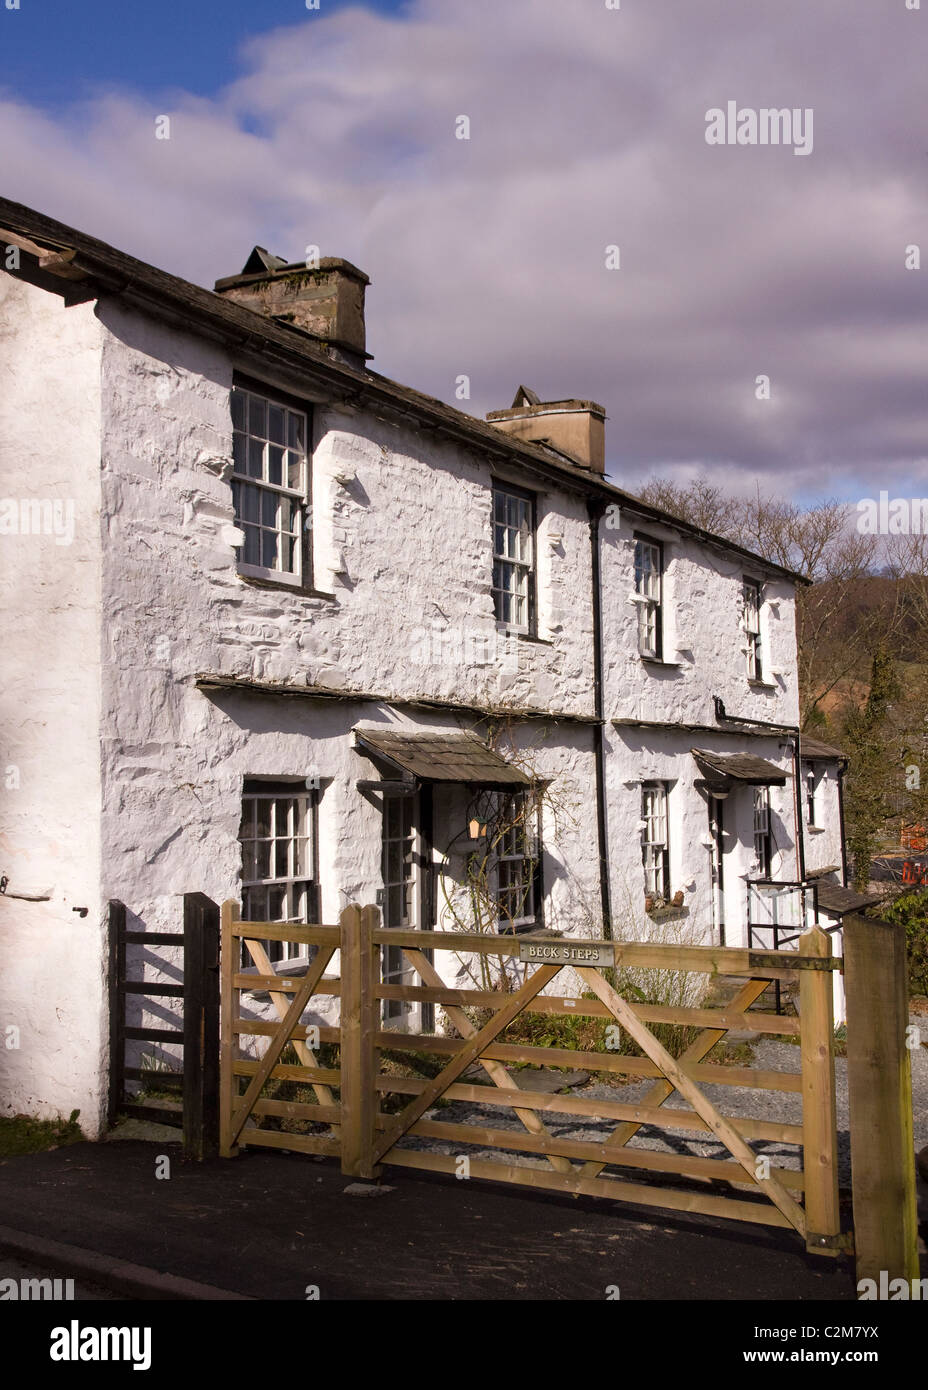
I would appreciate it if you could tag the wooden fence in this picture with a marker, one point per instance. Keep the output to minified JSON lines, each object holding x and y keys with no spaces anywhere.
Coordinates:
{"x":364,"y":1136}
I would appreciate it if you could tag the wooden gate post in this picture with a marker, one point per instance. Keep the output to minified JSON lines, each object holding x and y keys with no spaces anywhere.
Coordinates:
{"x":201,"y":1026}
{"x":117,"y":989}
{"x":819,"y":1111}
{"x":360,"y":970}
{"x":880,"y":1094}
{"x":229,"y":948}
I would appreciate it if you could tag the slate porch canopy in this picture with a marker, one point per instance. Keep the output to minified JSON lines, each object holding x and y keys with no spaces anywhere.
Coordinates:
{"x":451,"y":756}
{"x":725,"y":769}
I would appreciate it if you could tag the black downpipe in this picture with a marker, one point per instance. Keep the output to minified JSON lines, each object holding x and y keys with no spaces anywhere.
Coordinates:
{"x":595,"y":509}
{"x":842,"y":769}
{"x":797,"y":812}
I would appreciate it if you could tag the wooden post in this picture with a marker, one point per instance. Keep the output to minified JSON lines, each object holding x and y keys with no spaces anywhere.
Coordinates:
{"x":819,"y":1111}
{"x":117,"y":993}
{"x":228,"y":965}
{"x":360,"y":969}
{"x":880,"y":1095}
{"x":201,"y":1026}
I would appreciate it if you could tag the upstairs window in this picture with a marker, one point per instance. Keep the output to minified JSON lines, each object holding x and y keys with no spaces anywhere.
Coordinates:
{"x":278,"y":876}
{"x":649,"y":565}
{"x":755,"y":656}
{"x":517,"y":862}
{"x":270,"y":486}
{"x":514,"y":558}
{"x":762,"y":839}
{"x":655,"y":845}
{"x":811,"y":799}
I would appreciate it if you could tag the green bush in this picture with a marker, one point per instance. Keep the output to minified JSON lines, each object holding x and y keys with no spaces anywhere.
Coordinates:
{"x":911,"y":911}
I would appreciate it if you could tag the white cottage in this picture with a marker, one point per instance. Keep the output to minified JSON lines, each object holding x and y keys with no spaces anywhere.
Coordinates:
{"x":279,"y":629}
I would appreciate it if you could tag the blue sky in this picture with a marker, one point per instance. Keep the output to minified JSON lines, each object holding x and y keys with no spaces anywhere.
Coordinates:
{"x":55,"y":51}
{"x":488,"y":256}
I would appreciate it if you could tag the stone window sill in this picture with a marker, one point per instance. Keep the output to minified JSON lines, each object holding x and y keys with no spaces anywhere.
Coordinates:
{"x":300,"y":590}
{"x":524,"y":636}
{"x":816,"y":829}
{"x":762,"y":685}
{"x":659,"y":661}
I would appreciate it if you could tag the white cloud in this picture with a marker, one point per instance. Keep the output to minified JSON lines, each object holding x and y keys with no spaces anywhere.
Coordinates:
{"x":587,"y":128}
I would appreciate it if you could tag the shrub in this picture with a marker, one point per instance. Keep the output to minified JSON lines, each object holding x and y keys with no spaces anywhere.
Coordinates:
{"x":911,"y":911}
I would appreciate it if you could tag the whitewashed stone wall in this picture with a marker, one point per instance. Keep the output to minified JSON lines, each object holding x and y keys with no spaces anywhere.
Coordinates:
{"x":402,"y":538}
{"x":52,"y":956}
{"x":823,"y":840}
{"x":704,"y":644}
{"x":402,"y":543}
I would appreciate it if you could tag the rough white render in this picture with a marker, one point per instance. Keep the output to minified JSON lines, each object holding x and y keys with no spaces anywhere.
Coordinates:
{"x":402,"y":557}
{"x":52,"y":958}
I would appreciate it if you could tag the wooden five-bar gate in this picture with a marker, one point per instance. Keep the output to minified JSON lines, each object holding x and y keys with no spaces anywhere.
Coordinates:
{"x":348,"y":1096}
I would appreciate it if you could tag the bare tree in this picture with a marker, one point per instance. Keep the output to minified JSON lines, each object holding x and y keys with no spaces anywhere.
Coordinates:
{"x":820,"y":542}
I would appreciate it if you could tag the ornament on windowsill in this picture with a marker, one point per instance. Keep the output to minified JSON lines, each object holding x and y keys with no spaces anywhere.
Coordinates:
{"x":659,"y":909}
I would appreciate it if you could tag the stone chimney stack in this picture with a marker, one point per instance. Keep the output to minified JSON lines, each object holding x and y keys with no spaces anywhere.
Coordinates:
{"x":327,"y":302}
{"x":575,"y":428}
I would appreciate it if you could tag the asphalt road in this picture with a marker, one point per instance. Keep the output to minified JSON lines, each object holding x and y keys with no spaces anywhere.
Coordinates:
{"x":279,"y":1227}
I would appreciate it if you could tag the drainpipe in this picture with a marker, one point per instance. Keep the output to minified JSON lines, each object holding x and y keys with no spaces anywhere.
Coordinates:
{"x":595,"y":508}
{"x":842,"y":769}
{"x":797,"y":813}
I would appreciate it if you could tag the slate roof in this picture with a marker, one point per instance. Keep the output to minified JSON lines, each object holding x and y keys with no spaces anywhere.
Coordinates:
{"x":740,"y":767}
{"x":448,"y":756}
{"x":814,"y":751}
{"x":81,"y":267}
{"x":835,"y":900}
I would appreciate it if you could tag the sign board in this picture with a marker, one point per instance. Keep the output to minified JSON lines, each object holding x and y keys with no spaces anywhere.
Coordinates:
{"x":567,"y":952}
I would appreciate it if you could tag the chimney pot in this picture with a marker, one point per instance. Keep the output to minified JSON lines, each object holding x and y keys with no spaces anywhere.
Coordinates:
{"x":327,"y":302}
{"x":572,"y":427}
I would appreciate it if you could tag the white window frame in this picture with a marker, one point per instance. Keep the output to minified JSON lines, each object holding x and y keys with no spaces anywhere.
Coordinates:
{"x":290,"y":825}
{"x":752,"y":605}
{"x":763,"y":847}
{"x":655,"y":839}
{"x":516,"y":861}
{"x":649,"y":595}
{"x":514,"y":575}
{"x":812,"y":798}
{"x":257,"y":458}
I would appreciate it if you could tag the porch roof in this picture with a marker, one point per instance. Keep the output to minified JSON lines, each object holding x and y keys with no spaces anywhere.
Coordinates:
{"x":813,"y":750}
{"x":739,"y":767}
{"x":836,"y":900}
{"x":441,"y":756}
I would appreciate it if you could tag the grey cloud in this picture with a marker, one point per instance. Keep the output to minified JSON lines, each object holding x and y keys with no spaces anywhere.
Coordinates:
{"x":487,"y":256}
